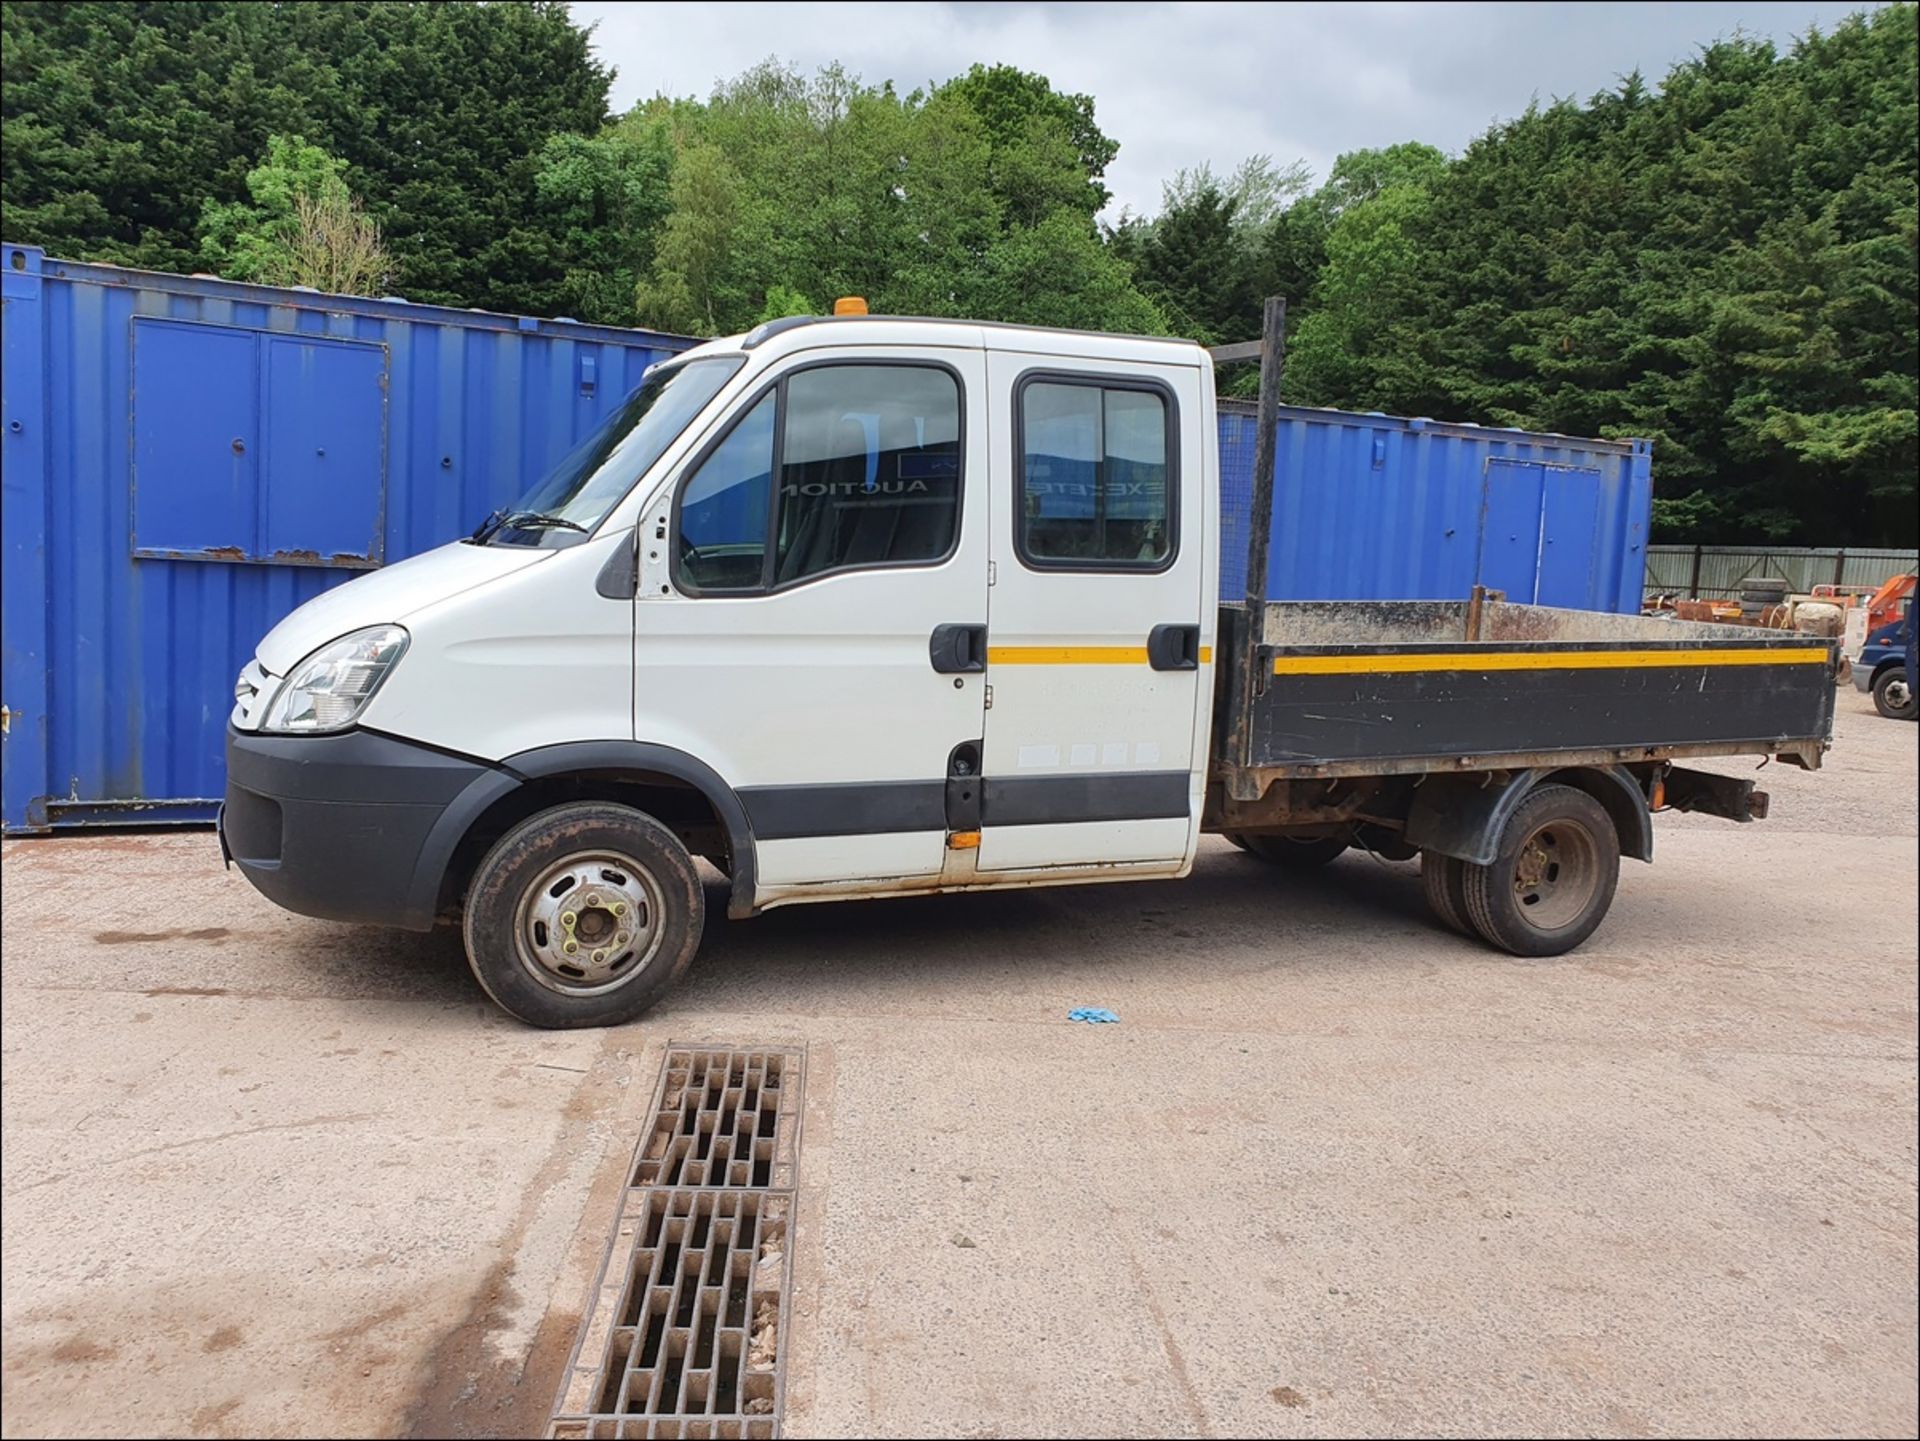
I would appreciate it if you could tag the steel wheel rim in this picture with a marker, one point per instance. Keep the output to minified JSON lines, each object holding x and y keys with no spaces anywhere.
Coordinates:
{"x":1556,"y":875}
{"x":1898,"y":696}
{"x":590,"y":923}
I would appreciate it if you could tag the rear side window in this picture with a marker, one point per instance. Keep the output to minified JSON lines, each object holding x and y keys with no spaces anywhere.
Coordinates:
{"x":840,"y":467}
{"x":1096,"y":475}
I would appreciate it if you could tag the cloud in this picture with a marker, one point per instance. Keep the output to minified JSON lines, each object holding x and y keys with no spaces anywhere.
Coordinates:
{"x":1178,"y":85}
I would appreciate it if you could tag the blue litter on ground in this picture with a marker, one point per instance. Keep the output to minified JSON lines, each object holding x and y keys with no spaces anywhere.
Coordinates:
{"x":1099,"y":1014}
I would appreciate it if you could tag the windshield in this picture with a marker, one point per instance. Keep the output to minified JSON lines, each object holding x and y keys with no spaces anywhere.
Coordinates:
{"x":589,"y":480}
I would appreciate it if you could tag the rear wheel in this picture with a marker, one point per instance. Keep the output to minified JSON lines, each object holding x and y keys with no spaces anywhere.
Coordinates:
{"x":1296,"y":853}
{"x":583,"y":915}
{"x":1892,"y":696}
{"x":1551,"y":879}
{"x":1445,"y":880}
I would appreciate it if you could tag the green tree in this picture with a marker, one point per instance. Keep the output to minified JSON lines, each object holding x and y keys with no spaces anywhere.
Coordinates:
{"x":606,"y":197}
{"x":303,"y":228}
{"x":1217,"y":248}
{"x":1724,"y":264}
{"x":787,"y":187}
{"x":1024,"y":116}
{"x":1058,"y":273}
{"x":1369,"y":211}
{"x":122,"y":120}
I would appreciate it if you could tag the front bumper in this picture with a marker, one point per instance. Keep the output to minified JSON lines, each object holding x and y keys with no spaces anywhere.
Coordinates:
{"x":347,"y":827}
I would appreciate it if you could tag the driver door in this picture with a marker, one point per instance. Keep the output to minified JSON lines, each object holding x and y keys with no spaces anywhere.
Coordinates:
{"x":835,"y":523}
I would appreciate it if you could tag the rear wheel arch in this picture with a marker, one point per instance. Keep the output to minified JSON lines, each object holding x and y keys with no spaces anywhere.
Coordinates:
{"x":1463,"y":815}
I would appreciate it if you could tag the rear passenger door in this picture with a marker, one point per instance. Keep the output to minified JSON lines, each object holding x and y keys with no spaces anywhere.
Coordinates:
{"x":1097,"y":614}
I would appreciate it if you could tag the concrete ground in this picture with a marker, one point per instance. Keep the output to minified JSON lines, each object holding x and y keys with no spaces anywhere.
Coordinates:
{"x":1335,"y":1172}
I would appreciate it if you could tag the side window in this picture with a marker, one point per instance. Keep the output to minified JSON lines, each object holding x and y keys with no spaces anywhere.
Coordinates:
{"x":862,"y":462}
{"x":869,"y":468}
{"x":1096,"y":488}
{"x":723,"y":509}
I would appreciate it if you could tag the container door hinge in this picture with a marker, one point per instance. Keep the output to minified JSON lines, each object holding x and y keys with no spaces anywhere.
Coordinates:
{"x":989,"y":690}
{"x":993,"y":573}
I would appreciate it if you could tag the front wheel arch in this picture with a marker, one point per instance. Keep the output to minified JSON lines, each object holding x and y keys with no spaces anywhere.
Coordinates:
{"x":530,"y":781}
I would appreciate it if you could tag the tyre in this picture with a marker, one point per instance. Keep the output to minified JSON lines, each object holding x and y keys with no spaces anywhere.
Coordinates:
{"x":1551,"y":879}
{"x":1297,"y":853}
{"x":1445,"y":879}
{"x":1892,"y":696}
{"x":583,"y":915}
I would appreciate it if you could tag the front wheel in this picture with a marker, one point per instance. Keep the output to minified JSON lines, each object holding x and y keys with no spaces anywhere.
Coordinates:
{"x":1893,"y":697}
{"x":583,"y":915}
{"x":1551,"y":879}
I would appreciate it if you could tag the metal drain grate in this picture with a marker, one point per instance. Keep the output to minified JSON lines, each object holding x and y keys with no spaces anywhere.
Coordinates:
{"x":686,"y":1333}
{"x":723,"y":1118}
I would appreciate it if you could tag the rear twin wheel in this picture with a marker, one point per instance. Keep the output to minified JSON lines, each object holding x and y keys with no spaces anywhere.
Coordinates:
{"x":1549,"y":885}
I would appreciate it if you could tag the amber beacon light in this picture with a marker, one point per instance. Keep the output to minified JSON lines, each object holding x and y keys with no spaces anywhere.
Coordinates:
{"x":850,"y":305}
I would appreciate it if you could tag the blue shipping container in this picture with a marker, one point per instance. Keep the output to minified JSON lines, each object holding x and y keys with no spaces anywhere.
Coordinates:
{"x":189,"y":459}
{"x":1373,"y":507}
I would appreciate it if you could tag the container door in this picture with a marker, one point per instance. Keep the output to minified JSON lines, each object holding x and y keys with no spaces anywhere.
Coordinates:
{"x":1095,"y":616}
{"x":821,"y":644}
{"x":1539,"y":537}
{"x":1570,"y":539}
{"x":1510,"y":509}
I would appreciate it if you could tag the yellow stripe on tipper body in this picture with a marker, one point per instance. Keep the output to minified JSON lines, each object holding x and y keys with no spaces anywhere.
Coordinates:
{"x":1076,"y":654}
{"x":1541,"y":660}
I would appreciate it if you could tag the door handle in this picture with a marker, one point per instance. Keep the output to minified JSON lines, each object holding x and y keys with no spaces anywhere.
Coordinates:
{"x":958,"y":649}
{"x":1174,"y":647}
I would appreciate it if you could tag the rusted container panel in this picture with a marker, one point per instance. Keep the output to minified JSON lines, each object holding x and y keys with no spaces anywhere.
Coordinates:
{"x":186,"y":460}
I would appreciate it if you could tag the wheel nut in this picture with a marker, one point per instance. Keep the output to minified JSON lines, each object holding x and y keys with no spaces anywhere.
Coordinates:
{"x":621,"y":939}
{"x":619,"y":908}
{"x":570,"y":947}
{"x":593,"y":900}
{"x":567,"y":918}
{"x":599,"y":956}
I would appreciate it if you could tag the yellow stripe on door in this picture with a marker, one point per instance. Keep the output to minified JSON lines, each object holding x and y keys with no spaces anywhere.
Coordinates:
{"x":1539,"y":660}
{"x":1076,"y":654}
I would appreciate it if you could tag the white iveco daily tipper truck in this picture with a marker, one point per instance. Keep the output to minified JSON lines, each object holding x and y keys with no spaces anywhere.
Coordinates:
{"x":859,"y":606}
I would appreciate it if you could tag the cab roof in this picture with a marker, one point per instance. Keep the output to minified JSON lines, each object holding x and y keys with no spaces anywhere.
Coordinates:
{"x":810,"y":332}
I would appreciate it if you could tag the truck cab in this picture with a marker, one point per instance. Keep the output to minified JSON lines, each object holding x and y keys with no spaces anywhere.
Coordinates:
{"x":847,"y":607}
{"x":1884,"y":667}
{"x":855,"y":607}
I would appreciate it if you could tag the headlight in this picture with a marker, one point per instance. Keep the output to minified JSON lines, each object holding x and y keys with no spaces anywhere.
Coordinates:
{"x":328,"y":690}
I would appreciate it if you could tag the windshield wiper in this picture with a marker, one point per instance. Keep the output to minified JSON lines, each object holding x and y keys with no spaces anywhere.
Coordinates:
{"x":533,"y":520}
{"x":522,"y":520}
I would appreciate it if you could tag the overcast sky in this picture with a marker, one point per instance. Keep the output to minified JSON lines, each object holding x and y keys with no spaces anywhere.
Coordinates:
{"x":1180,"y":84}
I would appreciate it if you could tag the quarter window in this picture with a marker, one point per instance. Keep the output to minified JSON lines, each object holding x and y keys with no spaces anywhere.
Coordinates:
{"x":1095,"y":476}
{"x":723,"y":508}
{"x":859,"y":466}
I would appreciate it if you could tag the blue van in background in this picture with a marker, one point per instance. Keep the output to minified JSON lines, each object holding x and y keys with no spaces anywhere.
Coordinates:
{"x":1885,"y":667}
